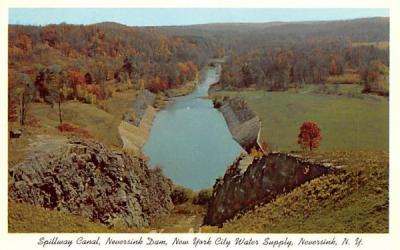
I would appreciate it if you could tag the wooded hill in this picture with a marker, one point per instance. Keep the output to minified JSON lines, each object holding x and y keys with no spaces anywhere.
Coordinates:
{"x":244,"y":36}
{"x":279,"y":55}
{"x":78,"y":61}
{"x":94,"y":54}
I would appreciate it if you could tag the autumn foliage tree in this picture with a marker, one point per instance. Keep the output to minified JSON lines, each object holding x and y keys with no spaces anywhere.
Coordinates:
{"x":76,"y":79}
{"x":375,"y":76}
{"x":24,"y":42}
{"x":309,"y":136}
{"x":157,"y":84}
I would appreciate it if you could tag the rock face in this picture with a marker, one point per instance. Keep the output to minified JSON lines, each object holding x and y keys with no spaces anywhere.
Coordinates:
{"x":260,"y":182}
{"x":83,"y":177}
{"x":242,"y":122}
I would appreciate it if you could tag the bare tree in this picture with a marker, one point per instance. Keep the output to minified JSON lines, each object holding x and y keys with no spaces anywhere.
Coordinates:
{"x":25,"y":97}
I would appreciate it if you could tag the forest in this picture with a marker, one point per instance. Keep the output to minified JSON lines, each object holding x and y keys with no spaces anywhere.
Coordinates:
{"x":66,"y":62}
{"x":279,"y":55}
{"x":54,"y":62}
{"x":309,"y":62}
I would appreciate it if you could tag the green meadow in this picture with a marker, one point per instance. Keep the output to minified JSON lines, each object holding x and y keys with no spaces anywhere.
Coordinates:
{"x":348,"y":121}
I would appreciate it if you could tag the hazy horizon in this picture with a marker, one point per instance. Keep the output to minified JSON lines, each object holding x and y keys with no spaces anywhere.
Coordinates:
{"x":183,"y":17}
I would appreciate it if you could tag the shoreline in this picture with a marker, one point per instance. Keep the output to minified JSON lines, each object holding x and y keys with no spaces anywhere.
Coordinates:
{"x":135,"y":137}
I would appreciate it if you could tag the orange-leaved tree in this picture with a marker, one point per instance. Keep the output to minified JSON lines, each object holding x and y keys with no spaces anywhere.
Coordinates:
{"x":75,"y":79}
{"x":309,"y":136}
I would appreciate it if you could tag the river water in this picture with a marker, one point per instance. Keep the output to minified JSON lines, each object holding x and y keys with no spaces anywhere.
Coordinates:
{"x":190,"y":140}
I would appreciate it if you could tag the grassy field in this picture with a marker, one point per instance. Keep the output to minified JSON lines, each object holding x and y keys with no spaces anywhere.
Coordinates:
{"x":119,"y":103}
{"x":347,"y":122}
{"x":99,"y":123}
{"x":355,"y":201}
{"x":100,"y":120}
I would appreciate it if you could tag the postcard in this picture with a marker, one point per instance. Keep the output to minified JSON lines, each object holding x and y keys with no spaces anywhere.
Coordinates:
{"x":166,"y":127}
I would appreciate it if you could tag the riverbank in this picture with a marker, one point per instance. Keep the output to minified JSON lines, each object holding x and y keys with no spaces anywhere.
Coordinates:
{"x":134,"y":136}
{"x":184,"y":89}
{"x":163,"y":99}
{"x":188,"y":87}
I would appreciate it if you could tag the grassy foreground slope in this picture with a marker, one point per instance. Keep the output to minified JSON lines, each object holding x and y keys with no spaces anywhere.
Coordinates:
{"x":26,"y":218}
{"x":346,"y":122}
{"x":355,"y":201}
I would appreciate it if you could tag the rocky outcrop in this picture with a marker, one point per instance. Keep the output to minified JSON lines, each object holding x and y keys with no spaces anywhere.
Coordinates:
{"x":84,"y":178}
{"x":242,"y":122}
{"x":265,"y":178}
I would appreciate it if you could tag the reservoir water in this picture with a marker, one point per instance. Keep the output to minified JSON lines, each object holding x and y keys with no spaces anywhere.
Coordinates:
{"x":190,"y":140}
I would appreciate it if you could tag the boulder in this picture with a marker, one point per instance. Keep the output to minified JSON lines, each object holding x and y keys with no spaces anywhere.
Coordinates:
{"x":243,"y":188}
{"x":83,"y":177}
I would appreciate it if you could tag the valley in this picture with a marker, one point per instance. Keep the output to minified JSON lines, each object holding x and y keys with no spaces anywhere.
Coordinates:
{"x":198,"y":129}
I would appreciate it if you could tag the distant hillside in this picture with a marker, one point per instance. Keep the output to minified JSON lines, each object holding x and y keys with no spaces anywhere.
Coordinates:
{"x":240,"y":35}
{"x":105,"y":45}
{"x":277,"y":56}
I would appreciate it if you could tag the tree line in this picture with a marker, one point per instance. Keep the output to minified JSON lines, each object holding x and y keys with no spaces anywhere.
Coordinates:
{"x":307,"y":62}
